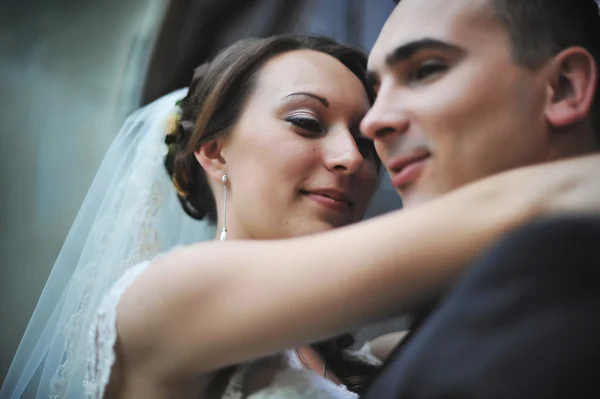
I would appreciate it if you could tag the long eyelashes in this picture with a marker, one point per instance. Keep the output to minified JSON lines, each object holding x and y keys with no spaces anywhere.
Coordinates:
{"x":309,"y":124}
{"x":314,"y":128}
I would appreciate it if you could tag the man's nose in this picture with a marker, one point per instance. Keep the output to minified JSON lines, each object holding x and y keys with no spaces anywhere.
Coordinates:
{"x":385,"y":119}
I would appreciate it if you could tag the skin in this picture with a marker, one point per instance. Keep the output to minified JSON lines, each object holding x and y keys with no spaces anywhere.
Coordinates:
{"x":186,"y":293}
{"x":280,"y":294}
{"x":382,"y":346}
{"x":308,"y":106}
{"x":459,"y":108}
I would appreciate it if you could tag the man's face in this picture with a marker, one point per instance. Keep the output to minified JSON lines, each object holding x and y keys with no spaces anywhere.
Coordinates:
{"x":452,"y":106}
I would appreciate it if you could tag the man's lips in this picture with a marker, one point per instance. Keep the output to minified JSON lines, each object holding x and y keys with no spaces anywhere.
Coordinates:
{"x":333,"y":199}
{"x":407,"y":169}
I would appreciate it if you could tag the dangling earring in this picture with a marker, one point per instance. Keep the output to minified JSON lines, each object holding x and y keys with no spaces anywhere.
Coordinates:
{"x":224,"y":229}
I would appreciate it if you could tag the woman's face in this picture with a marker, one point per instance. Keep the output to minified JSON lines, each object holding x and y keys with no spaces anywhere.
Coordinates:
{"x":295,"y":159}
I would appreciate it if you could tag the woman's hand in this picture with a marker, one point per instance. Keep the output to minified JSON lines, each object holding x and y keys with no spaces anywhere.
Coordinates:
{"x":578,"y":187}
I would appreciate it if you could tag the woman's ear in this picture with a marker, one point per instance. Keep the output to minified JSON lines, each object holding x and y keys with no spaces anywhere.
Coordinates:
{"x":210,"y":156}
{"x":571,"y":86}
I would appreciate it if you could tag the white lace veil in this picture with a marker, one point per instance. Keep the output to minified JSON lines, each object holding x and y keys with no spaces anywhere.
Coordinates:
{"x":130,"y":214}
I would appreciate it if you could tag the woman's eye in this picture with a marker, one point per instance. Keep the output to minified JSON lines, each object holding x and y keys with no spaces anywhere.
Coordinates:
{"x":308,"y":124}
{"x":428,"y":70}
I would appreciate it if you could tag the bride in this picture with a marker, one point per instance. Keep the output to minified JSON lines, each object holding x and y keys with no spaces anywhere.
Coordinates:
{"x":265,"y":145}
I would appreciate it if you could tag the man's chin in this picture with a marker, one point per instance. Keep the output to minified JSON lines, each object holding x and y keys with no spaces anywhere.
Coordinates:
{"x":411,"y":198}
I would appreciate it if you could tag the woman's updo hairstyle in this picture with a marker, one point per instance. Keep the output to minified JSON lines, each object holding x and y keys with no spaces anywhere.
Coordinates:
{"x":216,"y":98}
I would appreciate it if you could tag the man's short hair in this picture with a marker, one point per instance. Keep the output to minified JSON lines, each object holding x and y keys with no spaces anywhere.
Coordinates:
{"x":539,"y":29}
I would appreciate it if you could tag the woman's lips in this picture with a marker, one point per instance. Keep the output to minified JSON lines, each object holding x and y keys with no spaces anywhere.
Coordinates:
{"x":335,"y":200}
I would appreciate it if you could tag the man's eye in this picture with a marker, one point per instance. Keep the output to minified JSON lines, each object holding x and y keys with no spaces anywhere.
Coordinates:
{"x":428,"y":70}
{"x":309,"y":124}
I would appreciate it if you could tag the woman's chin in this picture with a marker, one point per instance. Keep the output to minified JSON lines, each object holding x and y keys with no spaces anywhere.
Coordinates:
{"x":324,"y":225}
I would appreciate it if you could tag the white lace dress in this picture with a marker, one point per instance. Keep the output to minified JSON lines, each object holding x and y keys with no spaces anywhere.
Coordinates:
{"x":291,"y":381}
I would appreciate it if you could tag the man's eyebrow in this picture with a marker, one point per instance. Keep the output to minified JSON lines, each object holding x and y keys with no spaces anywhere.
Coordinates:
{"x":322,"y":100}
{"x":406,"y":51}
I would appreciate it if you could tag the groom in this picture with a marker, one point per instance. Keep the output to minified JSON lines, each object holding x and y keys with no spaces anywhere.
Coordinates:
{"x":466,"y":89}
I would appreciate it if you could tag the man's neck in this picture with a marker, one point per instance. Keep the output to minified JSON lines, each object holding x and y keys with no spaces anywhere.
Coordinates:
{"x":572,"y":142}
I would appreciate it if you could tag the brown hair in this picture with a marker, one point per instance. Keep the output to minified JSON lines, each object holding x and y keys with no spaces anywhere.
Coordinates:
{"x":215,"y":100}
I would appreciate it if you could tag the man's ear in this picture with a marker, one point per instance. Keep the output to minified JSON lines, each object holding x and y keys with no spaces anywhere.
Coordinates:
{"x":210,"y":156}
{"x":571,"y":87}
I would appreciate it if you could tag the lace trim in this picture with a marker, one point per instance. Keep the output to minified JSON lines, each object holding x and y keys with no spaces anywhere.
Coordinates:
{"x":302,"y":384}
{"x":139,"y":218}
{"x":103,"y":335}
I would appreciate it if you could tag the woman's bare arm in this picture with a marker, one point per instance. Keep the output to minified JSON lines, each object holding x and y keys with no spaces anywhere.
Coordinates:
{"x":213,"y":304}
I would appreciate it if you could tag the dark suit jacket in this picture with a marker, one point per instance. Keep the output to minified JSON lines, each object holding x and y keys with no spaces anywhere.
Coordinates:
{"x":523,"y":322}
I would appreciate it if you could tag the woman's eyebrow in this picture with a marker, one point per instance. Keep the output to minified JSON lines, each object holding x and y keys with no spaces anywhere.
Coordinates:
{"x":322,"y":100}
